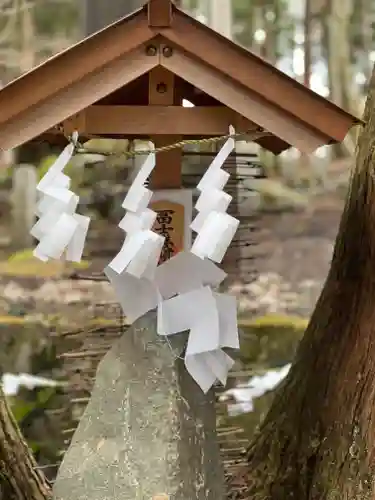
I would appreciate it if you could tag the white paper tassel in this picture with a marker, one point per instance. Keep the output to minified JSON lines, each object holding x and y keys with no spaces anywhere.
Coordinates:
{"x":57,"y":200}
{"x":138,"y":197}
{"x":213,"y":179}
{"x":136,"y":296}
{"x":76,"y":245}
{"x":217,"y":163}
{"x":215,"y":236}
{"x":181,"y":287}
{"x":211,"y":321}
{"x":138,"y":221}
{"x":59,"y":228}
{"x":55,"y":171}
{"x":185,"y":272}
{"x":211,"y":200}
{"x":134,"y":256}
{"x":146,"y":259}
{"x":53,"y":244}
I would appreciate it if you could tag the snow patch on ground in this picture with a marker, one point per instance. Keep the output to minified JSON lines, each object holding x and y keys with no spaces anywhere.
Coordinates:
{"x":243,"y":395}
{"x":11,"y":382}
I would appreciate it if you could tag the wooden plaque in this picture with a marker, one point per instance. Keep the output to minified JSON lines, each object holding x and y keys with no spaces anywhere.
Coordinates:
{"x":170,"y":223}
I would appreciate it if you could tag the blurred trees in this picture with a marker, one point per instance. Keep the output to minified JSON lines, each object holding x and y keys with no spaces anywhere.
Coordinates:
{"x":98,"y":14}
{"x":32,"y":30}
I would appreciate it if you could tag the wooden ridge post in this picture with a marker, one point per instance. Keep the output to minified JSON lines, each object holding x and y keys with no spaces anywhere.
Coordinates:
{"x":159,"y":13}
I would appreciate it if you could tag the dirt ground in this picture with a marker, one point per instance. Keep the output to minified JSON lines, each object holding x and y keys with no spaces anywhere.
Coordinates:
{"x":298,"y":246}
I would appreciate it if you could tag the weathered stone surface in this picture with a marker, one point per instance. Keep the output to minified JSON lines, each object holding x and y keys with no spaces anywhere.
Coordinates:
{"x":23,"y":205}
{"x":148,"y":429}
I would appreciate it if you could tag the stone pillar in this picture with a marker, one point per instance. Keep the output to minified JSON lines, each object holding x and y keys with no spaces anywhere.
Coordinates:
{"x":148,"y":431}
{"x":23,"y":200}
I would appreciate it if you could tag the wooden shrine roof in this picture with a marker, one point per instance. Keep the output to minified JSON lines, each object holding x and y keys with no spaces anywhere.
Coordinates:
{"x":210,"y":68}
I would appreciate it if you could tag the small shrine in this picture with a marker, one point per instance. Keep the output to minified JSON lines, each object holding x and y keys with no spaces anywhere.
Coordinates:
{"x":129,"y":80}
{"x":148,"y":431}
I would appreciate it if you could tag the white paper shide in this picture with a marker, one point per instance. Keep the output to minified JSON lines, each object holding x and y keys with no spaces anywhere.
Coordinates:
{"x":132,"y":270}
{"x":182,"y":289}
{"x":59,"y":229}
{"x":210,"y":317}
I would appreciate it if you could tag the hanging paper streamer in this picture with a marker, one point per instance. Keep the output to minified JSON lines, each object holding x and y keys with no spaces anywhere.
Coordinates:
{"x":59,"y":229}
{"x":182,"y":288}
{"x":214,"y":227}
{"x":211,"y":320}
{"x":136,"y":296}
{"x":141,"y":250}
{"x":132,"y":270}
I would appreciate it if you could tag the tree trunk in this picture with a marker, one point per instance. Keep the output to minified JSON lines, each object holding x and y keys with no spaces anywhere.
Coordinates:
{"x":19,"y":477}
{"x":318,"y":440}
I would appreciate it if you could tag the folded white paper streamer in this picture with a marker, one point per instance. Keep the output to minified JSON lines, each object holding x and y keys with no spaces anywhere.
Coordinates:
{"x":210,"y":200}
{"x":59,"y":228}
{"x":61,"y":181}
{"x":57,"y":199}
{"x":182,"y":273}
{"x":215,"y":236}
{"x":216,"y":164}
{"x":213,"y":200}
{"x":207,"y":367}
{"x":144,"y":264}
{"x":138,"y":221}
{"x":145,"y":170}
{"x":76,"y":245}
{"x":139,"y":253}
{"x":138,"y":197}
{"x":214,"y":179}
{"x":212,"y":321}
{"x":52,"y":213}
{"x":136,"y":296}
{"x":185,"y":272}
{"x":53,"y":244}
{"x":55,"y":171}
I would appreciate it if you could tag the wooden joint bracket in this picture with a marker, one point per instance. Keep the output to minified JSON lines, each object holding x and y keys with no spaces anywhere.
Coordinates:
{"x":76,"y":122}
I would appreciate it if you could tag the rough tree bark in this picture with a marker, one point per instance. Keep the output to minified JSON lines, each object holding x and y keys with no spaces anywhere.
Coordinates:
{"x":19,"y":477}
{"x":318,"y":440}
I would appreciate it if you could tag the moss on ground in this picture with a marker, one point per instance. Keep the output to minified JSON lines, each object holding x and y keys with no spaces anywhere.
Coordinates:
{"x":24,"y":264}
{"x":271,"y":340}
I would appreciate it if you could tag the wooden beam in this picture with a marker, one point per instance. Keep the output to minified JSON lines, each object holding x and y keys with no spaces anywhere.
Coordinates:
{"x":93,"y":87}
{"x":249,"y":104}
{"x":157,"y":120}
{"x":72,"y":65}
{"x":260,"y":77}
{"x":159,"y":13}
{"x":167,"y":172}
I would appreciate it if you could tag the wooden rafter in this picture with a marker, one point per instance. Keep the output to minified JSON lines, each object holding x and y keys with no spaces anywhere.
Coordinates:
{"x":159,"y":13}
{"x":159,"y":120}
{"x":161,"y":35}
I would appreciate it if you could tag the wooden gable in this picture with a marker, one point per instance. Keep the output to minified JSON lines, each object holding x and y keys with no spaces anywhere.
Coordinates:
{"x":79,"y":87}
